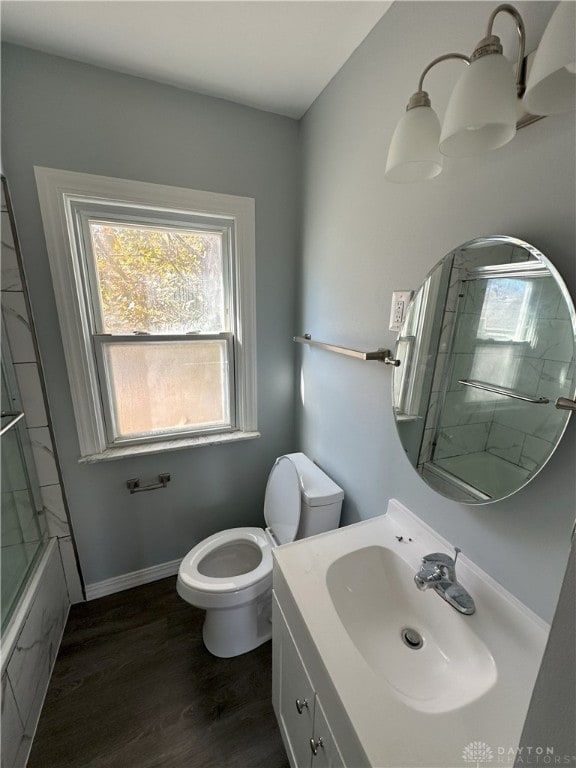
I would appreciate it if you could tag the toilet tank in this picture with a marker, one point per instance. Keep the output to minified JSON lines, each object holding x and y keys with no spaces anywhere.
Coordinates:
{"x":321,"y":498}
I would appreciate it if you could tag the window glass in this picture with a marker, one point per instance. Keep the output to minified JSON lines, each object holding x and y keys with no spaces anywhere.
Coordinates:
{"x":158,"y":280}
{"x":170,"y":386}
{"x":505,"y":312}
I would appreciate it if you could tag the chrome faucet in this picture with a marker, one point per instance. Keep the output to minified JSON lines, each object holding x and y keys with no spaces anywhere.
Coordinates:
{"x":439,"y":572}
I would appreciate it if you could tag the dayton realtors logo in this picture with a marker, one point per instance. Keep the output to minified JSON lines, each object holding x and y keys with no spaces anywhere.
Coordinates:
{"x":479,"y":754}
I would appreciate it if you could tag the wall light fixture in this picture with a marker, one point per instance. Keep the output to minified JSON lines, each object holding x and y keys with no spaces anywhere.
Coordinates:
{"x":482,"y":113}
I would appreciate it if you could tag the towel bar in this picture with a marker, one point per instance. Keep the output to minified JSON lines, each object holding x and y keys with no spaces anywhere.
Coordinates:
{"x":382,"y":355}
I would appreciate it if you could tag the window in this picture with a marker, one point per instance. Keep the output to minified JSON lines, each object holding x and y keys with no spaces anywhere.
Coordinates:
{"x":505,"y":314}
{"x":155,"y":293}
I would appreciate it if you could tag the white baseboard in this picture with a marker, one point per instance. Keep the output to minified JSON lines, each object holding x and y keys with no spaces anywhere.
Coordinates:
{"x":133,"y":579}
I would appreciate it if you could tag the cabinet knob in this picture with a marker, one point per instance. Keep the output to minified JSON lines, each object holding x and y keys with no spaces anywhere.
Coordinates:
{"x":301,"y":705}
{"x":315,"y":745}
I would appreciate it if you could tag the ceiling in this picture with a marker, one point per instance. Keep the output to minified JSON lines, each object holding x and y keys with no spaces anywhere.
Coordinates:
{"x":275,"y":55}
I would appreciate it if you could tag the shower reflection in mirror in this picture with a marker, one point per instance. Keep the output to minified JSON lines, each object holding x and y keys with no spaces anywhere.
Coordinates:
{"x":486,"y":349}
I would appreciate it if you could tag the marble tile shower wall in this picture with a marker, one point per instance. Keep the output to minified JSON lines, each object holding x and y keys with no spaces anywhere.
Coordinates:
{"x":473,"y":420}
{"x":442,"y":363}
{"x":30,"y":645}
{"x":19,"y":331}
{"x":525,"y":436}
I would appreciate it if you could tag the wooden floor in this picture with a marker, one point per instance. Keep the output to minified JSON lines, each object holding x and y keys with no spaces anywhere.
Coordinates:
{"x":134,"y":687}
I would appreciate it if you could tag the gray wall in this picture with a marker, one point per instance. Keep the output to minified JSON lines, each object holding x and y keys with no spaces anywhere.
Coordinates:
{"x":61,"y":114}
{"x":364,"y":237}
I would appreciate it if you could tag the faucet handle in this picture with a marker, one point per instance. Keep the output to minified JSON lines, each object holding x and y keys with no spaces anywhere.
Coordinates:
{"x":457,"y":550}
{"x":438,"y":558}
{"x":442,"y":565}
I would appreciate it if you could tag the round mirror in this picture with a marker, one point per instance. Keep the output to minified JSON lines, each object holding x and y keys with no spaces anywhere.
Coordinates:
{"x":487,"y":370}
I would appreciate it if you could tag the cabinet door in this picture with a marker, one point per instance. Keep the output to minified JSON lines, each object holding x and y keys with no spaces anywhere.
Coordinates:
{"x":323,"y":746}
{"x":293,"y":695}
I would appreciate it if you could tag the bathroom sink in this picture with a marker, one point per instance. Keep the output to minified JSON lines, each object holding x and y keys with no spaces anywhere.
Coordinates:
{"x":424,"y":650}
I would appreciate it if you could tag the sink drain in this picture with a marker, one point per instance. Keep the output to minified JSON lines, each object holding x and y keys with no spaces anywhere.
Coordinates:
{"x":412,"y":638}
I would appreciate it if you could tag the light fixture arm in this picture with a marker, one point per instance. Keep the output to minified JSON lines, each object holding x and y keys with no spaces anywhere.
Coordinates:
{"x":444,"y":57}
{"x":421,"y":98}
{"x":491,"y":44}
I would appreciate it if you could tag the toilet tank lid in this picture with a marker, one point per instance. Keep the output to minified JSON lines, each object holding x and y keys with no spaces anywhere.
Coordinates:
{"x":316,"y":487}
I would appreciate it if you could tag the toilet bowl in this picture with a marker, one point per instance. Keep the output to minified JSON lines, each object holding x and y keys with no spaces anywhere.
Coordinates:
{"x":229,"y":574}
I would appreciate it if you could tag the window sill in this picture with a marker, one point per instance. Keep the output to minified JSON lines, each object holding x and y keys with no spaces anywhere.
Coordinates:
{"x":110,"y":454}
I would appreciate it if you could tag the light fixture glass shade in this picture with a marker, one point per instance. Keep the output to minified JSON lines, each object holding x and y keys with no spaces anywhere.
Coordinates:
{"x":551,"y":86}
{"x":481,"y":113}
{"x":413,"y":154}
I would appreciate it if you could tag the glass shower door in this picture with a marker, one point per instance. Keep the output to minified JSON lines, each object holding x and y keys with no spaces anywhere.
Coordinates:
{"x":511,"y":358}
{"x":23,"y":535}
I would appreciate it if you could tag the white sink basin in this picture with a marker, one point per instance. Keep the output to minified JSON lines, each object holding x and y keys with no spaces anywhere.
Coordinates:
{"x":376,"y":600}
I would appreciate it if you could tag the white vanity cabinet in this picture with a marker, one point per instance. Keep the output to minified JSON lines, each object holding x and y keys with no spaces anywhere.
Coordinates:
{"x":323,"y":745}
{"x":303,"y":724}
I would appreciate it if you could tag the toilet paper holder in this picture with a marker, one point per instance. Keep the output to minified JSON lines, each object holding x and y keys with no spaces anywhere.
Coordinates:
{"x":134,"y":486}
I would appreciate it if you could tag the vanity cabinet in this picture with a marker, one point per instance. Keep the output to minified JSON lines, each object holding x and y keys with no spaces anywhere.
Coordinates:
{"x":323,"y":745}
{"x":307,"y":736}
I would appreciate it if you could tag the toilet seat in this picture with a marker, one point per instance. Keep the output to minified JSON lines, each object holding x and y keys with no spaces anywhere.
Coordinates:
{"x":282,"y":501}
{"x":194,"y":579}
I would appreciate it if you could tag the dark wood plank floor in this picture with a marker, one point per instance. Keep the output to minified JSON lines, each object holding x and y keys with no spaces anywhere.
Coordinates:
{"x":134,"y":687}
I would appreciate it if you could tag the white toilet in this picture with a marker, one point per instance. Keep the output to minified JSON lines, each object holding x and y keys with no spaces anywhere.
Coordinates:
{"x":229,"y":574}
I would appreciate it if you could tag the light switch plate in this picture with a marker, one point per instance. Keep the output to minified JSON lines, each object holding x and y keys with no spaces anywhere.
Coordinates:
{"x":400,"y":301}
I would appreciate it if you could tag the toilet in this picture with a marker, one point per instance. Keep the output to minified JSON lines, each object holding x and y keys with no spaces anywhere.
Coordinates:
{"x":229,"y":574}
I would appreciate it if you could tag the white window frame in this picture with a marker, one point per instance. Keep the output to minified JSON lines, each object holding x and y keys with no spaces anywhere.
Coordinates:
{"x":59,"y":192}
